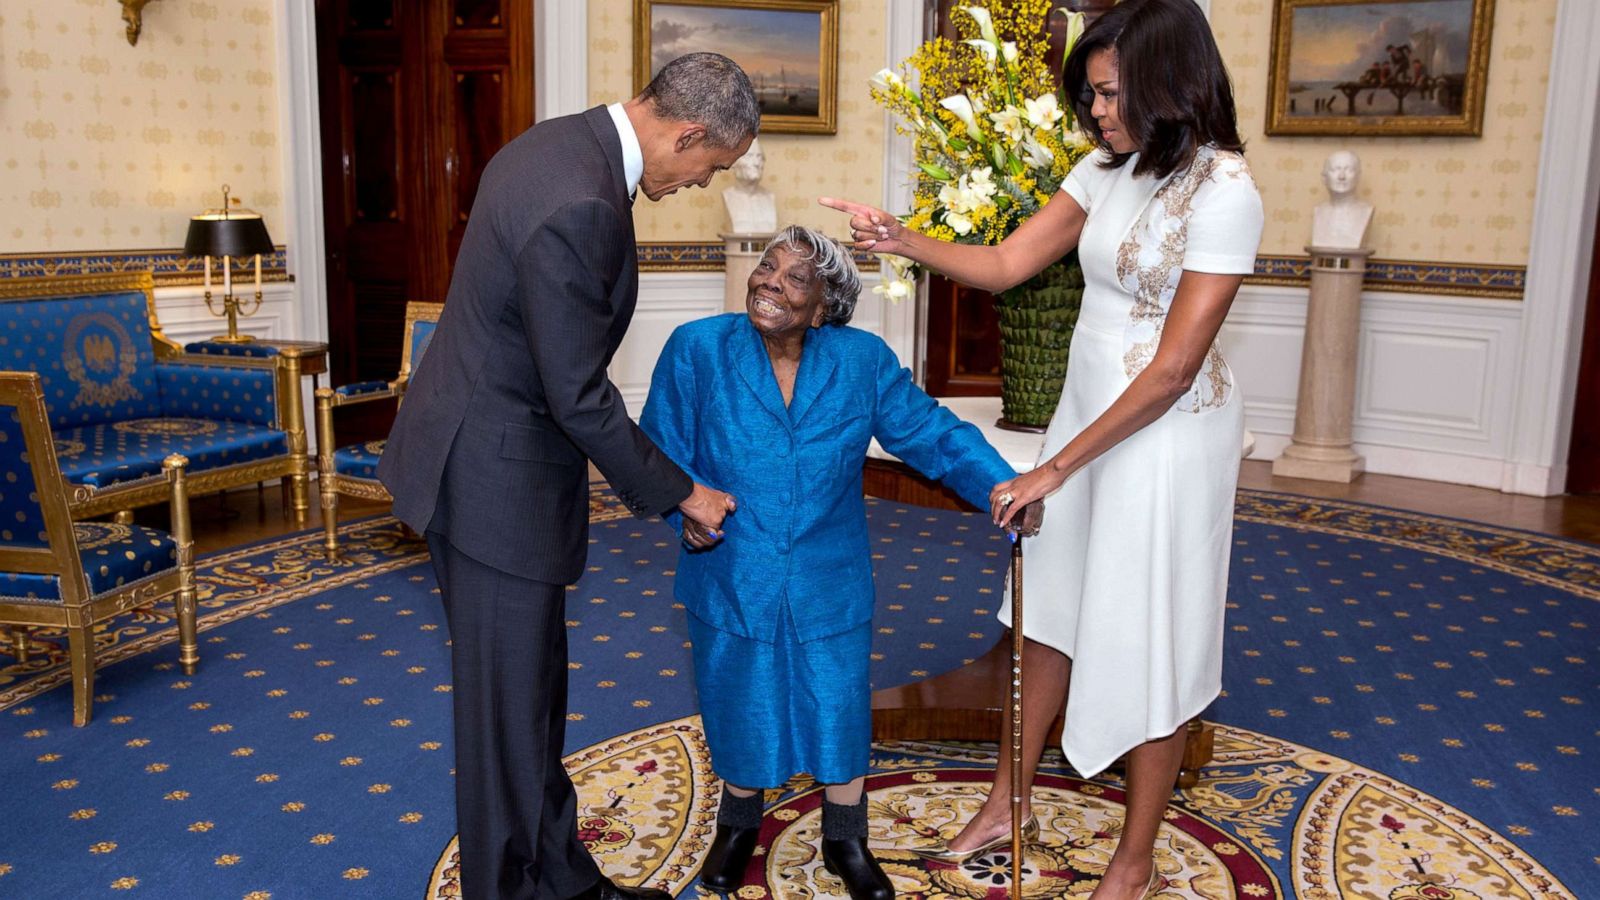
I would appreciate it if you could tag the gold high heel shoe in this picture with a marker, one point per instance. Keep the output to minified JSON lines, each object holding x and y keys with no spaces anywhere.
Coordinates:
{"x":943,"y":853}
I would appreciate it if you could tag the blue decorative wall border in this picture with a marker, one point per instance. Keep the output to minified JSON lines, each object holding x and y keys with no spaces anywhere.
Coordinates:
{"x":171,"y":267}
{"x":1461,"y":279}
{"x":167,"y":267}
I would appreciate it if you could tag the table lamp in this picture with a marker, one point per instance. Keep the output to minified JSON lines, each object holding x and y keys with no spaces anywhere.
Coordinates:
{"x":229,"y":233}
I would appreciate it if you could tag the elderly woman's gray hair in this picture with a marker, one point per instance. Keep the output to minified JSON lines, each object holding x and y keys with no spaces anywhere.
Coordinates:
{"x":832,"y":263}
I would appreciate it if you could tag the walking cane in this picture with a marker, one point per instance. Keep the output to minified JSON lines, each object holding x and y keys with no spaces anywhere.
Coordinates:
{"x":1016,"y":715}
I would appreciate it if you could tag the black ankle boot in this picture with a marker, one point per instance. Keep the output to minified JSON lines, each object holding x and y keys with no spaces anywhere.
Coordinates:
{"x":845,"y":852}
{"x":738,"y":828}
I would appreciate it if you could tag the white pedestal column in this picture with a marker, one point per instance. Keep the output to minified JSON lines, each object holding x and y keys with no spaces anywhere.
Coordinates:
{"x":1321,"y":448}
{"x":740,"y":252}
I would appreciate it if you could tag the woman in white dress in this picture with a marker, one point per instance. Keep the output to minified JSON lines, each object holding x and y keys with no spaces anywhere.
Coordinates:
{"x":1126,"y":582}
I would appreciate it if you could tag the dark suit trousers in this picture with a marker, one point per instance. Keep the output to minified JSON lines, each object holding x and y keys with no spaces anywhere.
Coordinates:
{"x":515,"y":804}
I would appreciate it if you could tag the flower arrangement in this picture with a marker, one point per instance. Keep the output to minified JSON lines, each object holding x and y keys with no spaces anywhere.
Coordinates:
{"x":993,"y":137}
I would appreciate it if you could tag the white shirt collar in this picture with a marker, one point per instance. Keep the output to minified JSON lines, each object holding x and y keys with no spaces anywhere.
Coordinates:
{"x":632,"y":153}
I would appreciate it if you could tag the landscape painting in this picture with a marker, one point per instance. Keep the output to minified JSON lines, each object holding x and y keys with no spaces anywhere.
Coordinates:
{"x":789,"y":48}
{"x":1374,"y":67}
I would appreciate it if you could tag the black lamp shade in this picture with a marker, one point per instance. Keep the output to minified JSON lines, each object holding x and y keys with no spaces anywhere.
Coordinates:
{"x":214,"y":235}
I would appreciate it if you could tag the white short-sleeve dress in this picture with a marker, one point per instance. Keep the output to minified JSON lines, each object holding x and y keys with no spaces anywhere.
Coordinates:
{"x":1128,"y":576}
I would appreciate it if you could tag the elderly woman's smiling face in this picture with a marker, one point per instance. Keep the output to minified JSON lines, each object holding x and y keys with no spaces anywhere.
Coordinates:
{"x":784,"y":295}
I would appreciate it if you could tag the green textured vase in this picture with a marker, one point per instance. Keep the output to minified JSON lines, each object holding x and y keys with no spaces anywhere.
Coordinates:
{"x":1036,"y":322}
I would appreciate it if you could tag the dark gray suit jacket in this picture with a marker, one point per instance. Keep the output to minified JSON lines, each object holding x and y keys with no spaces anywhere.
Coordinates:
{"x":512,"y":399}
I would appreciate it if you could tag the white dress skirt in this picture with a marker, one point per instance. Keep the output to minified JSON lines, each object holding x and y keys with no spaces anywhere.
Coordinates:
{"x":1128,"y":576}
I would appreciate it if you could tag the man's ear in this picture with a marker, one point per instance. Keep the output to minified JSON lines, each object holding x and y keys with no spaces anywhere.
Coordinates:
{"x":689,"y":134}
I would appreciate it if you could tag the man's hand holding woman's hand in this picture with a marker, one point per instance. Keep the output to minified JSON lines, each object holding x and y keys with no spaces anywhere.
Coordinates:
{"x":703,"y":513}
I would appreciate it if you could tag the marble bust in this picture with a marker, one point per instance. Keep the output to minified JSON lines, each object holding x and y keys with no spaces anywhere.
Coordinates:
{"x":751,"y":208}
{"x":1340,"y":222}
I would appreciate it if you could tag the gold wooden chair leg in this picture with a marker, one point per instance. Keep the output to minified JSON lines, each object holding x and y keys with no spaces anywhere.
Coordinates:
{"x":80,"y":649}
{"x":19,"y":642}
{"x":183,"y":536}
{"x":327,"y":481}
{"x":1199,"y":746}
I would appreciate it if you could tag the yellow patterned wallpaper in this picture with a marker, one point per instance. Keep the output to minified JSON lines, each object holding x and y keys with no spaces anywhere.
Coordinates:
{"x":1441,"y":199}
{"x":799,"y":167}
{"x":105,"y":146}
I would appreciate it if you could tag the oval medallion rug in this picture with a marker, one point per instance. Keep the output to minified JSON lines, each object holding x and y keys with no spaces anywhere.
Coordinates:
{"x":647,"y":804}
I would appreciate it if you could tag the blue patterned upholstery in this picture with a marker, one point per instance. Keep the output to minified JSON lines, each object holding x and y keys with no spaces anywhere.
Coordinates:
{"x":103,"y":455}
{"x":223,"y":348}
{"x":218,"y":392}
{"x":421,"y":336}
{"x":21,"y":518}
{"x":113,"y":556}
{"x":361,"y":387}
{"x":358,"y":460}
{"x":94,"y":354}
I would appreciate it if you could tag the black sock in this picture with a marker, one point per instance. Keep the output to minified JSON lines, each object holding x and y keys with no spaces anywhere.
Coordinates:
{"x":844,"y":823}
{"x":739,"y":812}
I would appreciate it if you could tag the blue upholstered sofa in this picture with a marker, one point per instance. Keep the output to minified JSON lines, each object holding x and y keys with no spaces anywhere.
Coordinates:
{"x":122,"y":397}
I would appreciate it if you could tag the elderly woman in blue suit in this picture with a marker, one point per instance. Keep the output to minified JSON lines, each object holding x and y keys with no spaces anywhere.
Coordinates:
{"x":777,"y":406}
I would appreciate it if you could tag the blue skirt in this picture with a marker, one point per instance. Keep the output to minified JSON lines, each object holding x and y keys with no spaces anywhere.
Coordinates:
{"x":774,"y":710}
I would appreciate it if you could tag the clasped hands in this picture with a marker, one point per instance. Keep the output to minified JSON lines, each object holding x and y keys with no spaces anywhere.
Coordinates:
{"x":703,"y":512}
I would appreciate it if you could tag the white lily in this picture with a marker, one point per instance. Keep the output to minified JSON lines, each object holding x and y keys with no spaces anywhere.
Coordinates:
{"x":1074,"y":27}
{"x":1009,"y":51}
{"x":961,"y":105}
{"x":893,"y":289}
{"x":958,"y":223}
{"x":985,"y":24}
{"x":988,"y":50}
{"x":1009,"y":122}
{"x":1043,"y":112}
{"x":1036,"y":154}
{"x":980,"y":182}
{"x":887,"y":80}
{"x":955,"y":197}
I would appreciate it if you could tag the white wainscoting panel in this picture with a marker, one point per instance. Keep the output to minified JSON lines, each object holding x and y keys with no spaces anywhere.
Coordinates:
{"x":1435,"y":382}
{"x":666,"y":300}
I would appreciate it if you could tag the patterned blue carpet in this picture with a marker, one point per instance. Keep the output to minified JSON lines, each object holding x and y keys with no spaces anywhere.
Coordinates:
{"x":310,"y":755}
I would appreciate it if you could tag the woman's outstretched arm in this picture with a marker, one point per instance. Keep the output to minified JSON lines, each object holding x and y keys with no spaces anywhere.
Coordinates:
{"x":1044,"y":238}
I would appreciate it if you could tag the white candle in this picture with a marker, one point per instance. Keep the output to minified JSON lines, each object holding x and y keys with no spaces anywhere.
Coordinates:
{"x":208,"y":273}
{"x":227,"y":276}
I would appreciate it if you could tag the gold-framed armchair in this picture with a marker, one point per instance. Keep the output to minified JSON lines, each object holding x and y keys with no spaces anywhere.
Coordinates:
{"x":61,"y":573}
{"x":353,"y":470}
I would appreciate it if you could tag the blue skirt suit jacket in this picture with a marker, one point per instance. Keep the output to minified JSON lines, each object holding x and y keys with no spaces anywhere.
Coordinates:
{"x":781,"y":608}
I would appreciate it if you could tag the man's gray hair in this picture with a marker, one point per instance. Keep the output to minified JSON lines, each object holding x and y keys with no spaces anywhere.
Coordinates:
{"x":831,"y":262}
{"x":708,"y":89}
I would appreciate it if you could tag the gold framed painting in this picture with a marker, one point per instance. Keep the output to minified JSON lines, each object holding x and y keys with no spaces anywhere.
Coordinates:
{"x":1379,"y":67}
{"x":789,"y":48}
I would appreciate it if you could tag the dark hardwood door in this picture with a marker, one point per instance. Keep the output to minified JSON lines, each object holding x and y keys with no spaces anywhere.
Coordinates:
{"x":963,"y":330}
{"x":1583,"y":457}
{"x":415,"y":96}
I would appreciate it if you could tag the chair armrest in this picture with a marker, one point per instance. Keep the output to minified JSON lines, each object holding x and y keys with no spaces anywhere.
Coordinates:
{"x":362,"y":391}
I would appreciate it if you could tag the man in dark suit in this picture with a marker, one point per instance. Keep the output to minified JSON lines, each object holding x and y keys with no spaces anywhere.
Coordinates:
{"x":489,"y":454}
